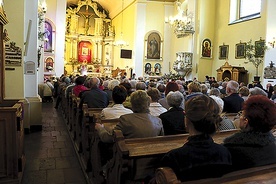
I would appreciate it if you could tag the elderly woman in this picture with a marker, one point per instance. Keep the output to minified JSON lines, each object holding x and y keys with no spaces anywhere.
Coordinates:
{"x":155,"y":108}
{"x":254,"y":145}
{"x":256,"y":91}
{"x":173,"y":119}
{"x":244,"y":92}
{"x":200,"y":157}
{"x":226,"y":123}
{"x":194,"y":89}
{"x":170,"y":86}
{"x":138,"y":124}
{"x":110,"y":87}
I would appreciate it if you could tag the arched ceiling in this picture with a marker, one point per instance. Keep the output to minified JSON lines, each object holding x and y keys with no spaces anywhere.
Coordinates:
{"x":112,"y":6}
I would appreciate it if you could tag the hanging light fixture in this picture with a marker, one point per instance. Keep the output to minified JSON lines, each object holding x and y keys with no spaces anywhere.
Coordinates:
{"x":121,"y":43}
{"x":181,"y":23}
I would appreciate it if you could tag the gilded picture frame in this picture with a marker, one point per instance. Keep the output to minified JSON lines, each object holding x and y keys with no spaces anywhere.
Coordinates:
{"x":240,"y":50}
{"x":206,"y":48}
{"x":153,"y":46}
{"x":259,"y":48}
{"x":223,"y":51}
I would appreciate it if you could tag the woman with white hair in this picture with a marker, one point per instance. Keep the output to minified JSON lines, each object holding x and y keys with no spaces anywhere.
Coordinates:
{"x":111,"y":85}
{"x":173,"y":119}
{"x":226,"y":123}
{"x":138,"y":124}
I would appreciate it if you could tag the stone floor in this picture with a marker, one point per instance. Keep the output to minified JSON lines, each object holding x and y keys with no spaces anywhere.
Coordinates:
{"x":50,"y":155}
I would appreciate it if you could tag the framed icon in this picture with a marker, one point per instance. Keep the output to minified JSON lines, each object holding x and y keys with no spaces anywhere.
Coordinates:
{"x":259,"y":48}
{"x":206,"y":48}
{"x":223,"y":51}
{"x":147,"y":68}
{"x":240,"y":51}
{"x":157,"y":68}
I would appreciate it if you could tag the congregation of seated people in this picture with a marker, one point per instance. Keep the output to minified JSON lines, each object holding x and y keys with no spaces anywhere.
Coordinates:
{"x":167,"y":107}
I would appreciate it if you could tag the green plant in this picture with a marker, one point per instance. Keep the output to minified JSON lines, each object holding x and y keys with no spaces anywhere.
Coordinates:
{"x":255,"y":53}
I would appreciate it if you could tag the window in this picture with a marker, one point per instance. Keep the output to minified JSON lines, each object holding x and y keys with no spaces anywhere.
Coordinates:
{"x":242,"y":10}
{"x":249,"y":8}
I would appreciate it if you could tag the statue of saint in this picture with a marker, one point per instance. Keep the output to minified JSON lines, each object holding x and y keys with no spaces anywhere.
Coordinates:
{"x":270,"y":71}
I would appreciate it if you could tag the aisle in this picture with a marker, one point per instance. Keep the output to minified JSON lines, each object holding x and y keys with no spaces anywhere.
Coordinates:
{"x":50,"y":155}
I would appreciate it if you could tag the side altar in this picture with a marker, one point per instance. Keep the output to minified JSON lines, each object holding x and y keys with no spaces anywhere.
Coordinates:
{"x":229,"y":72}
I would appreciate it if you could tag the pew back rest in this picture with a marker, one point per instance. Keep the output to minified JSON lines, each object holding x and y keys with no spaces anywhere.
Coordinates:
{"x":93,"y":114}
{"x":261,"y":174}
{"x":140,"y":156}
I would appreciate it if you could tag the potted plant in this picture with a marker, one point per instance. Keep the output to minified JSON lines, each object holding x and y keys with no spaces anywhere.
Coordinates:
{"x":254,"y":52}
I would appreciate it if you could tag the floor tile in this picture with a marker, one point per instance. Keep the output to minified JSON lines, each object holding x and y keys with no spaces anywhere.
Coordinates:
{"x":50,"y":155}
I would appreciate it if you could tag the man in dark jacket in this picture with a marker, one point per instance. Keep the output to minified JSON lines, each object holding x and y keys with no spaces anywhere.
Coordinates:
{"x":94,"y":98}
{"x":233,"y":102}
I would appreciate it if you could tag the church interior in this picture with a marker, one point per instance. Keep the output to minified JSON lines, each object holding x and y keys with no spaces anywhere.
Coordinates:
{"x":152,"y":39}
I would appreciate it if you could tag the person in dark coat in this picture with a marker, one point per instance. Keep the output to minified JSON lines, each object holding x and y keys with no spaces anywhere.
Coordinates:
{"x":254,"y":145}
{"x":94,"y":98}
{"x":233,"y":102}
{"x":200,"y":157}
{"x":173,"y":119}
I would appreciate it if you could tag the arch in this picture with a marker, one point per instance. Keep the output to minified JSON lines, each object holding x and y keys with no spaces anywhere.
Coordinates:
{"x":49,"y":35}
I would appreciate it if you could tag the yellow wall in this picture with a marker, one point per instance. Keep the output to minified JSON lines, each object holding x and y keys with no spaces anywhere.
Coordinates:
{"x":206,"y":21}
{"x":128,"y":35}
{"x":155,"y":22}
{"x":233,"y":34}
{"x":14,"y":79}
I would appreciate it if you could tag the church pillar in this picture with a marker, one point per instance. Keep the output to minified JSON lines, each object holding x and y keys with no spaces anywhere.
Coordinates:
{"x":31,"y":80}
{"x":74,"y":23}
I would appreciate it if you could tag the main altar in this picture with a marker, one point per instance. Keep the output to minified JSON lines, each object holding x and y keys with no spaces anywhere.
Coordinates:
{"x":89,"y":40}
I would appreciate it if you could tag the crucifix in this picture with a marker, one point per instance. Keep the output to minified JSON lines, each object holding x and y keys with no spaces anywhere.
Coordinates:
{"x":86,"y":15}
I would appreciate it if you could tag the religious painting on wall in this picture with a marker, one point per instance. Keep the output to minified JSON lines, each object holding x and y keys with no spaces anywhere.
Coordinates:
{"x":48,"y":37}
{"x":148,"y":68}
{"x":206,"y":48}
{"x":153,"y":46}
{"x":85,"y":52}
{"x":49,"y":64}
{"x":157,"y":68}
{"x":259,"y":48}
{"x":240,"y":50}
{"x":223,"y":51}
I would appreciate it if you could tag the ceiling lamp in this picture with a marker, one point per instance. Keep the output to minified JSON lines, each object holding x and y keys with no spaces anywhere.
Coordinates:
{"x":181,"y":23}
{"x":121,"y":43}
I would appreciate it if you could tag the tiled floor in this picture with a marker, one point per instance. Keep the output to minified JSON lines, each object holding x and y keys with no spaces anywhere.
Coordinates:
{"x":50,"y":155}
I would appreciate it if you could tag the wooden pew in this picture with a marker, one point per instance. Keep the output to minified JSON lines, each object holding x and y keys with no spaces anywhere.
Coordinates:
{"x":100,"y":152}
{"x":89,"y":118}
{"x":261,"y":174}
{"x":134,"y":159}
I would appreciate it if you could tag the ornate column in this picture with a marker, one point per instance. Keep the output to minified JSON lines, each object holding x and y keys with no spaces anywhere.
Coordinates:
{"x":99,"y":27}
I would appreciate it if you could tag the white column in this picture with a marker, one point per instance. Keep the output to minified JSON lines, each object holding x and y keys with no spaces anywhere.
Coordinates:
{"x":138,"y":55}
{"x":60,"y":36}
{"x":31,"y":81}
{"x":167,"y":49}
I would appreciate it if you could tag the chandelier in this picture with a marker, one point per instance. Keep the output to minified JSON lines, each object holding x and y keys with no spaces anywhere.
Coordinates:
{"x":181,"y":23}
{"x":121,"y":43}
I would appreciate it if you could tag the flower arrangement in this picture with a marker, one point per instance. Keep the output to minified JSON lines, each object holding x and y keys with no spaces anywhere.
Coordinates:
{"x":255,"y":53}
{"x":173,"y":76}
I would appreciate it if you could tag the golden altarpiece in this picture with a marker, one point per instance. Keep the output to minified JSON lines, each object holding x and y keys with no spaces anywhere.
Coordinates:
{"x":228,"y":72}
{"x":89,"y":40}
